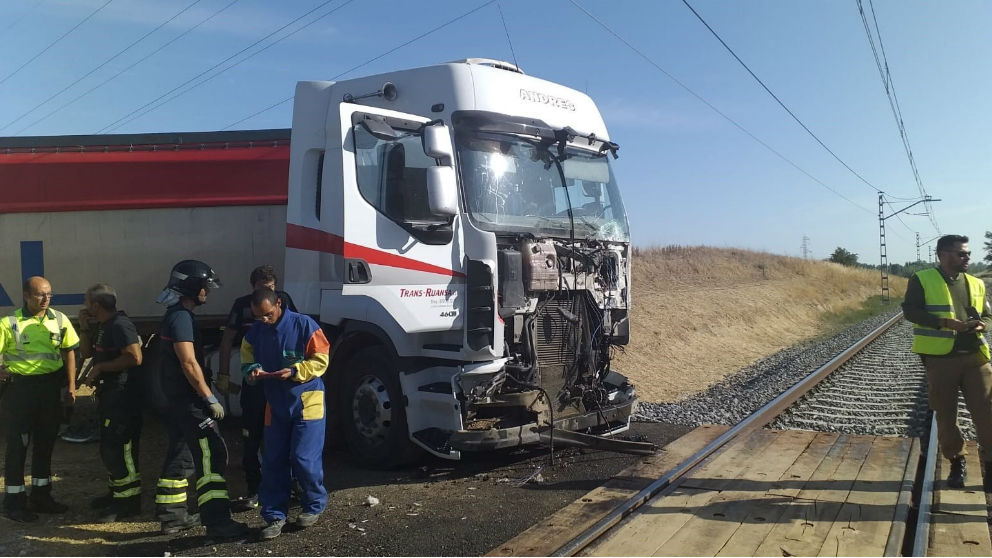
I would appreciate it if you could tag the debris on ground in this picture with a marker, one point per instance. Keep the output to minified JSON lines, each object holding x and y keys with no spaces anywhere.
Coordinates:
{"x":371,"y":501}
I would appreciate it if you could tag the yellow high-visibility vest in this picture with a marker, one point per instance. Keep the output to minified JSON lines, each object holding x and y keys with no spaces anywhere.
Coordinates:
{"x":937,"y":301}
{"x":33,"y":346}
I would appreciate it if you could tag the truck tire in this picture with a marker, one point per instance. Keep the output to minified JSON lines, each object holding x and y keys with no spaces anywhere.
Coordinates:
{"x":372,"y":411}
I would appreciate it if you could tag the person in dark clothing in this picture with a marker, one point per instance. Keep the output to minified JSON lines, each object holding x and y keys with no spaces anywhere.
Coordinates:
{"x":116,"y":352}
{"x":195,"y":442}
{"x":951,"y":313}
{"x":239,"y":320}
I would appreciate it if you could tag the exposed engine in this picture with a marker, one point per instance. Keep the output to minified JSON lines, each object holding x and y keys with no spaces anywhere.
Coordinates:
{"x":564,"y":306}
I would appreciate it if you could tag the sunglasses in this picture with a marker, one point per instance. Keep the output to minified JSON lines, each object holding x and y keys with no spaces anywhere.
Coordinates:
{"x":960,"y":253}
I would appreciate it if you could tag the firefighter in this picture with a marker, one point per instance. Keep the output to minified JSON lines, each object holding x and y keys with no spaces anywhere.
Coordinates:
{"x":287,"y":353}
{"x":37,"y":344}
{"x":239,"y":319}
{"x":191,"y":412}
{"x":116,"y":351}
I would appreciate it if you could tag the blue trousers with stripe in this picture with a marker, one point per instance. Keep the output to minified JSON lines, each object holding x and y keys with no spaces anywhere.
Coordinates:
{"x":294,"y":446}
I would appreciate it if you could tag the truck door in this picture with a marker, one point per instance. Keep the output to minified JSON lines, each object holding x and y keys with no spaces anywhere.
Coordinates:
{"x":402,"y":263}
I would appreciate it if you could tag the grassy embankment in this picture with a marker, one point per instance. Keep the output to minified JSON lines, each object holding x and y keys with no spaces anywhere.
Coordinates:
{"x":701,"y":313}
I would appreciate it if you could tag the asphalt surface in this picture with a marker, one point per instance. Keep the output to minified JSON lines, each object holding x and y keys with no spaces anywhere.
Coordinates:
{"x":433,"y":508}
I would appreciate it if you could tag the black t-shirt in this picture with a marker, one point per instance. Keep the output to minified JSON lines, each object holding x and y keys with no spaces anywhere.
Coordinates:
{"x":112,"y":336}
{"x":179,"y":325}
{"x":240,"y":318}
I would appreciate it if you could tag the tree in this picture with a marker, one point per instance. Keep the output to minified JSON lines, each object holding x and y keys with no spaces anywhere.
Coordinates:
{"x":844,"y":257}
{"x":988,"y":247}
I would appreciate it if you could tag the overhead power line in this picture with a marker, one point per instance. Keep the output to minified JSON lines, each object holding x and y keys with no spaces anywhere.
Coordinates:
{"x":134,"y":113}
{"x":367,"y":62}
{"x":882,"y":63}
{"x":507,"y":31}
{"x":55,"y":42}
{"x":716,"y":110}
{"x":777,"y":100}
{"x":139,"y":61}
{"x":101,"y":65}
{"x":26,"y":13}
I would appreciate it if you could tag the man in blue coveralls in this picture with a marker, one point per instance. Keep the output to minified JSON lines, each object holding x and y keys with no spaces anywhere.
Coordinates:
{"x":288,"y":353}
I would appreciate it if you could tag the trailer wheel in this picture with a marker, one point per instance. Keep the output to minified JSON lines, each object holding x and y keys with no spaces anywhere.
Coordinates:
{"x":372,"y":411}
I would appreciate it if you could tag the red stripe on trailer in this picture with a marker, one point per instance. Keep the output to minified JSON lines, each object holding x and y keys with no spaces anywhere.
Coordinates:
{"x":306,"y":238}
{"x":143,"y":179}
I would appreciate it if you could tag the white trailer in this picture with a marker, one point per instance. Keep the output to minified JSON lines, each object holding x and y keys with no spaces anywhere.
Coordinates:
{"x":457,"y":230}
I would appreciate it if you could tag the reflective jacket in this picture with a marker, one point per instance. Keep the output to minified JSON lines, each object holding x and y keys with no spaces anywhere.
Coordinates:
{"x":33,"y":346}
{"x":940,"y":341}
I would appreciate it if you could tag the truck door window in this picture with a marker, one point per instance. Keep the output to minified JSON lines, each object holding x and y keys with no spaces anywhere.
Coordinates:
{"x":392,"y":177}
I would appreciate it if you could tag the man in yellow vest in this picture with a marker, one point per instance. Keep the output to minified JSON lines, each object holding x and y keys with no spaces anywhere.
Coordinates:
{"x":951,"y":315}
{"x":36,"y":344}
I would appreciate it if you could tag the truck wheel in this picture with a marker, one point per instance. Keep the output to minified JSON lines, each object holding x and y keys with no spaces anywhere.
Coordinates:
{"x":372,"y":411}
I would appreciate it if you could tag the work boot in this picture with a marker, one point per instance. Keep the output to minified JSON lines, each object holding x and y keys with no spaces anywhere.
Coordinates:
{"x":102,"y":502}
{"x":245,"y":503}
{"x":188,"y":522}
{"x":15,"y":508}
{"x":306,"y":519}
{"x":41,"y":500}
{"x":227,"y":529}
{"x":272,"y":530}
{"x":121,"y":509}
{"x":959,"y":472}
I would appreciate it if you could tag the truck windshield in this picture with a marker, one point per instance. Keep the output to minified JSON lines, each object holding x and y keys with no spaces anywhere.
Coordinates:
{"x":514,"y":184}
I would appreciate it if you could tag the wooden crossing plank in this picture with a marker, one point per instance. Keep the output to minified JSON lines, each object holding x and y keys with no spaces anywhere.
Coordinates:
{"x":959,"y":520}
{"x":793,"y":481}
{"x":714,"y":526}
{"x":863,"y":523}
{"x":548,"y":535}
{"x":650,"y":529}
{"x":653,"y":525}
{"x":801,"y":530}
{"x":721,"y":469}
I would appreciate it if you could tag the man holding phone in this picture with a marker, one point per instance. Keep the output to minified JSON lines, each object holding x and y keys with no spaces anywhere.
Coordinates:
{"x":951,"y":314}
{"x":287,"y":353}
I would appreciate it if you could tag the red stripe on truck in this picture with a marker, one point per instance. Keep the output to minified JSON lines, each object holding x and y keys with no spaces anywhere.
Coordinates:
{"x":305,"y":238}
{"x":145,"y":179}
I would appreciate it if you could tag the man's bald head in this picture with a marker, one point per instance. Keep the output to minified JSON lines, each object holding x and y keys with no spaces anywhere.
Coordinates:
{"x":37,"y":294}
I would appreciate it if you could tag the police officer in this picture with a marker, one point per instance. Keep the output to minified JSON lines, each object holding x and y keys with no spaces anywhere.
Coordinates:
{"x":287,"y":353}
{"x":192,"y":412}
{"x":951,"y":313}
{"x":37,"y":344}
{"x":239,"y":319}
{"x":116,"y":351}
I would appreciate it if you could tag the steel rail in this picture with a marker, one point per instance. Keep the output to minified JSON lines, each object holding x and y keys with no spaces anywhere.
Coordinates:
{"x":756,"y":420}
{"x":922,"y":538}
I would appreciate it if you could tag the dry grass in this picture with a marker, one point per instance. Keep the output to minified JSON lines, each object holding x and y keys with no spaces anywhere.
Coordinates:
{"x":700,"y":313}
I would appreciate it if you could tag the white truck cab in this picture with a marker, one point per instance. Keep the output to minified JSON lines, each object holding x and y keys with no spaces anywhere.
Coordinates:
{"x":458,"y":230}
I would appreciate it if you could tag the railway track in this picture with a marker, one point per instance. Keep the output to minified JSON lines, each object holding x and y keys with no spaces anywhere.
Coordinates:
{"x":876,"y":387}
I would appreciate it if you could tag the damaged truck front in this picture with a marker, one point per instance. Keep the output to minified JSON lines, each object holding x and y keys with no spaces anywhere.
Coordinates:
{"x":459,"y":230}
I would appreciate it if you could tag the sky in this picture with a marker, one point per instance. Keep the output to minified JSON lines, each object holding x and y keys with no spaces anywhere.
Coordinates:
{"x":707,"y":156}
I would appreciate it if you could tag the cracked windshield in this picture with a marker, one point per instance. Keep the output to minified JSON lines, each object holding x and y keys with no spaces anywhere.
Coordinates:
{"x":514,"y":185}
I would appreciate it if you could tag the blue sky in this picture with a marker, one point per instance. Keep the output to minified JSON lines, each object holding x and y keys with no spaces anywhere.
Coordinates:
{"x":689,"y":175}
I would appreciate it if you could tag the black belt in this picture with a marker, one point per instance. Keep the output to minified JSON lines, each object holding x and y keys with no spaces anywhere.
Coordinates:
{"x":28,"y":378}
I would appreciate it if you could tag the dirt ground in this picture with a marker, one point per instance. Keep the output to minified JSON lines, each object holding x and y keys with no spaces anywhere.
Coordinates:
{"x":435,"y":508}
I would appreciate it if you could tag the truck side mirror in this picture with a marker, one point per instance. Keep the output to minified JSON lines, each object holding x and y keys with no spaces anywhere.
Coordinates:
{"x":442,"y":191}
{"x":437,"y":143}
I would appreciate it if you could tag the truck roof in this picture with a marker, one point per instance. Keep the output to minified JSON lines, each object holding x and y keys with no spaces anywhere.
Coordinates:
{"x":171,"y":139}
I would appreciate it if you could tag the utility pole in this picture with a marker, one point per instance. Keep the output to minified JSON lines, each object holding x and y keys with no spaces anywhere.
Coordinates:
{"x":805,"y":247}
{"x":917,"y":246}
{"x":884,"y":263}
